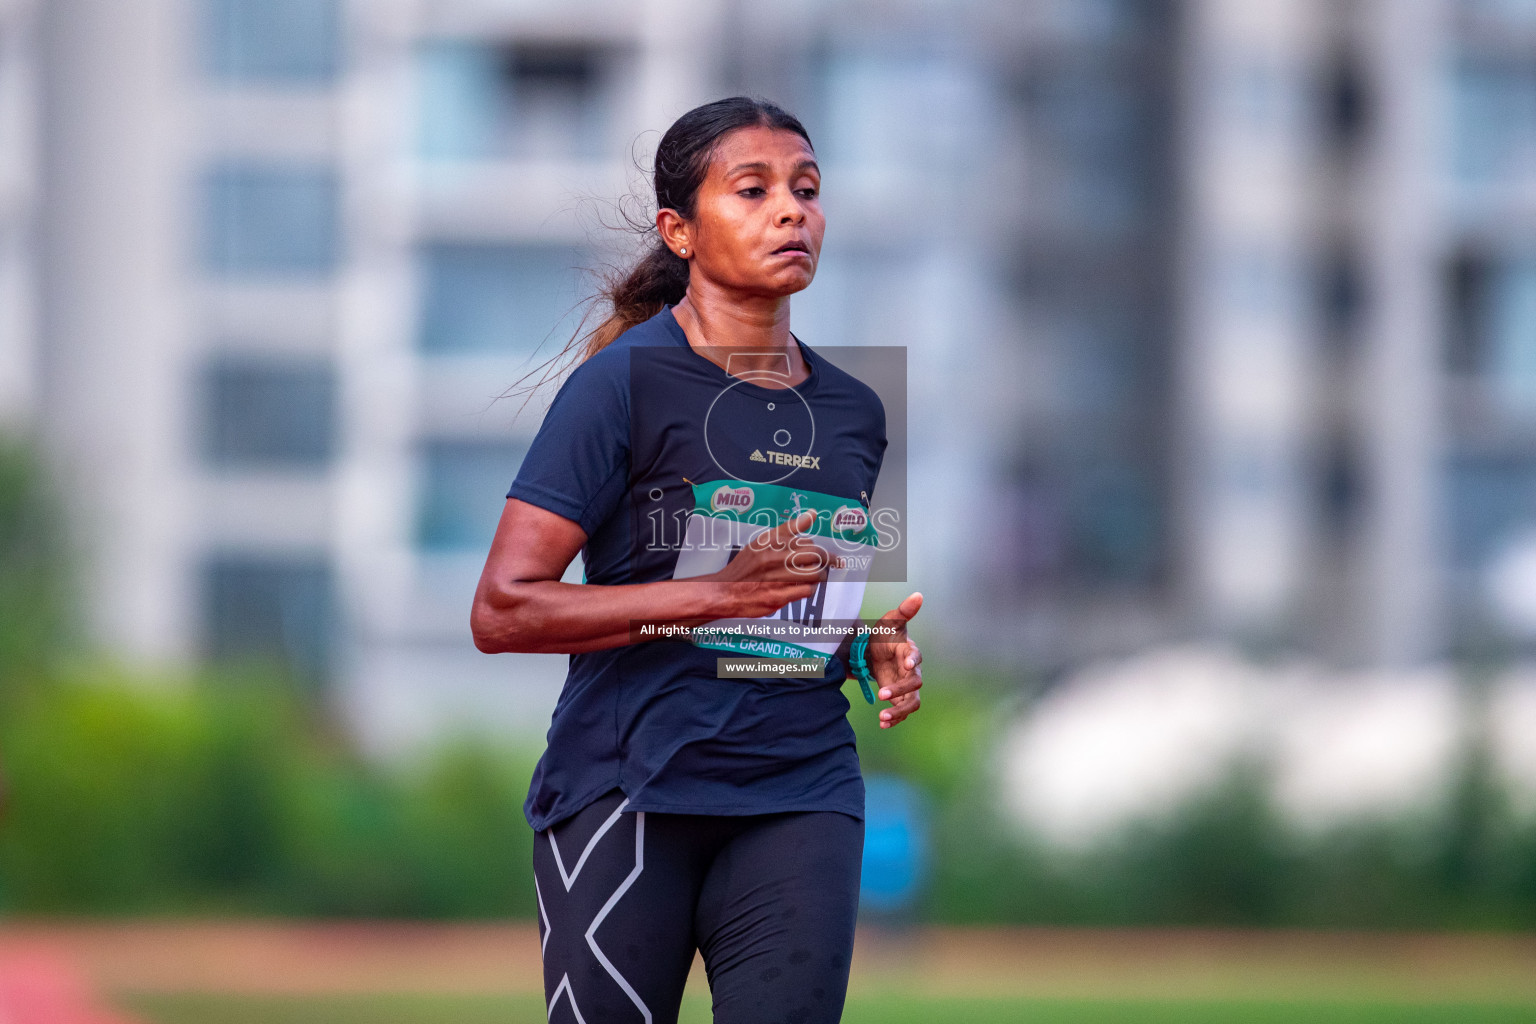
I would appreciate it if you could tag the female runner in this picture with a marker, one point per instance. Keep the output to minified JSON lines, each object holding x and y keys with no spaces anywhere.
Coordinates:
{"x":675,"y":810}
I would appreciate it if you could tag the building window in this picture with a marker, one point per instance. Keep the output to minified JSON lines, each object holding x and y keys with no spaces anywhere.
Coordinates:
{"x":260,"y":414}
{"x":499,"y":298}
{"x":463,"y":490}
{"x":269,"y":607}
{"x":482,"y":102}
{"x":913,"y":110}
{"x":1340,"y":281}
{"x":1492,"y":335}
{"x":1098,"y":136}
{"x":273,"y":41}
{"x":1114,"y":525}
{"x":1498,"y":15}
{"x":1260,"y":283}
{"x":1098,"y":21}
{"x":1346,"y":103}
{"x":1340,"y":487}
{"x":1511,"y":320}
{"x":1489,"y":498}
{"x":1494,"y":119}
{"x":1261,"y":96}
{"x":270,"y":220}
{"x":1467,"y":278}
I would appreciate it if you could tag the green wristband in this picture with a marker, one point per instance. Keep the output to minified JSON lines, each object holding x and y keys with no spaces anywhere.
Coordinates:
{"x":861,"y":667}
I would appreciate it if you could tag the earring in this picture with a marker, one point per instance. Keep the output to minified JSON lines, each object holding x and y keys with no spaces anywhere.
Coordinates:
{"x":682,"y":252}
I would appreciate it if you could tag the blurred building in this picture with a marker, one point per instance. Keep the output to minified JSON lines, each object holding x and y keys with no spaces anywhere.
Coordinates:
{"x":18,"y":211}
{"x":294,"y":251}
{"x":1355,"y":327}
{"x":1221,"y":314}
{"x":1306,"y":340}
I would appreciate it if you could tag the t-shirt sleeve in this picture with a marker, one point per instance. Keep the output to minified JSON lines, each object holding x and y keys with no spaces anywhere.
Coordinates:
{"x":878,"y":416}
{"x":578,"y":463}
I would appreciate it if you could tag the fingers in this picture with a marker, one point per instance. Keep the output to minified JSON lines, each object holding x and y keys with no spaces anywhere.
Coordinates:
{"x":790,"y":527}
{"x":905,"y":677}
{"x":785,"y":553}
{"x":802,"y":555}
{"x":902,"y":690}
{"x":894,"y":651}
{"x":807,"y":558}
{"x":785,"y":533}
{"x":767,"y":597}
{"x":900,"y":709}
{"x":904,"y":656}
{"x":903,"y":613}
{"x":908,"y":608}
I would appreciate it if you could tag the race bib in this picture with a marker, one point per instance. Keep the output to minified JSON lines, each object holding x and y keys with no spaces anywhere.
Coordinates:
{"x":727,"y":514}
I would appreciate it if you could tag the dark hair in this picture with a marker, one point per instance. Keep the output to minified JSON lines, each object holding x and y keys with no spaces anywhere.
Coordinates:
{"x":660,"y":276}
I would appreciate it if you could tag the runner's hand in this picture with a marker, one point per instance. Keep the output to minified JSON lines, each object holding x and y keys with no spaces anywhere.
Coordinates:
{"x":776,"y":567}
{"x":895,"y":662}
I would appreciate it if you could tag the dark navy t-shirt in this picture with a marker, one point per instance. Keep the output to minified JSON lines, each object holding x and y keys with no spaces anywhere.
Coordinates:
{"x":628,"y":437}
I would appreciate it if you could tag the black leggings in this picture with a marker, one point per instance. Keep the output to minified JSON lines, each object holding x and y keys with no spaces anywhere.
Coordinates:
{"x":626,"y":897}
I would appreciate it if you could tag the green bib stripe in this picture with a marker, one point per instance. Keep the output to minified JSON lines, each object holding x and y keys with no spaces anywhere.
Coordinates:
{"x":758,"y":647}
{"x":769,"y":505}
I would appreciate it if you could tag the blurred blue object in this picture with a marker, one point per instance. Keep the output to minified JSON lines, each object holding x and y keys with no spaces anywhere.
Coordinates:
{"x":462,"y":483}
{"x":895,"y":844}
{"x":461,"y":101}
{"x":273,"y":41}
{"x":277,"y":605}
{"x":492,"y":101}
{"x":1512,"y":339}
{"x":271,"y":219}
{"x":268,"y":413}
{"x":497,"y":298}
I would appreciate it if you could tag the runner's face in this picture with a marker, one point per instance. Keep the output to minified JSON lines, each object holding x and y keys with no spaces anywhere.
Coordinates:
{"x":757,"y":222}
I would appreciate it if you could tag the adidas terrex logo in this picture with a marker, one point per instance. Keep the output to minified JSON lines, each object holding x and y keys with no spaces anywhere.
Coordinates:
{"x":785,"y":459}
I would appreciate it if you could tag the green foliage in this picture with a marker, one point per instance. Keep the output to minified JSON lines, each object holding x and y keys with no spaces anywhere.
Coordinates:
{"x":862,"y":1007}
{"x":224,"y":796}
{"x":1225,"y":858}
{"x":231,"y":794}
{"x":227,"y":794}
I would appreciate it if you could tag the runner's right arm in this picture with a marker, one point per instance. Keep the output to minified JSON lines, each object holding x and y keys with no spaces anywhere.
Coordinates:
{"x":521,"y":605}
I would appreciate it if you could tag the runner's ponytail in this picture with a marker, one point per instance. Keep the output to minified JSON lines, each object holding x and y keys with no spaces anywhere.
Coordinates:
{"x":660,"y":278}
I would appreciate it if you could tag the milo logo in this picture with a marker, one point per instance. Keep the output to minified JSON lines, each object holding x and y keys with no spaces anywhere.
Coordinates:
{"x":736,"y":499}
{"x":850,"y":519}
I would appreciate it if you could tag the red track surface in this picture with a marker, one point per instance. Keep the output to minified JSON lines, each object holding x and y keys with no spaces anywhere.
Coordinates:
{"x":297,"y":958}
{"x":38,"y":986}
